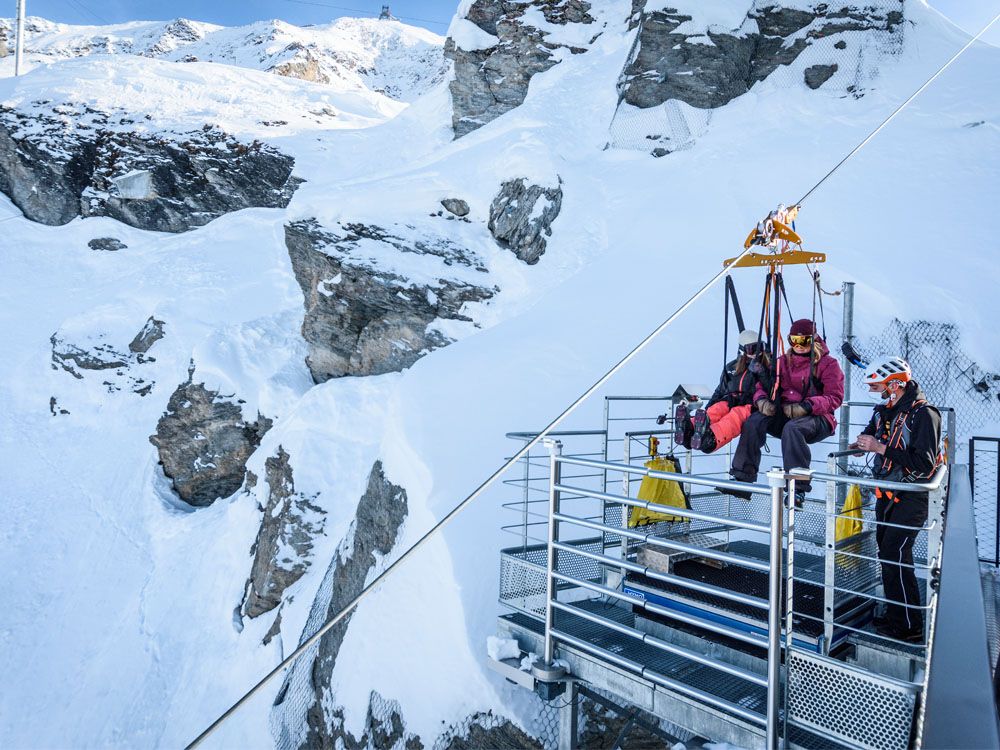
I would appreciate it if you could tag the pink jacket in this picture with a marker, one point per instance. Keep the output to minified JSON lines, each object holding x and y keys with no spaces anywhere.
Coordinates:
{"x":827,"y":392}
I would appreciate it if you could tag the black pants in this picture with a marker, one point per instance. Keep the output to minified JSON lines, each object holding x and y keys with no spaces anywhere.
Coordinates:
{"x":895,"y":550}
{"x":796,"y":437}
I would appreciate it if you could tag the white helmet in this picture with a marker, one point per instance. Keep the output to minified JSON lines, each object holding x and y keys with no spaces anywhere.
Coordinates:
{"x":747,"y":338}
{"x":884,"y":369}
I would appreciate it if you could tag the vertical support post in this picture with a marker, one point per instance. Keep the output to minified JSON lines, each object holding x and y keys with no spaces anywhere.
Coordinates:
{"x":569,"y":718}
{"x":527,"y":494}
{"x":789,"y":595}
{"x":625,"y":492}
{"x":996,"y":510}
{"x":604,"y":481}
{"x":555,"y":471}
{"x":952,"y":434}
{"x":776,"y":481}
{"x":935,"y":511}
{"x":19,"y":40}
{"x":847,"y":330}
{"x":829,"y":556}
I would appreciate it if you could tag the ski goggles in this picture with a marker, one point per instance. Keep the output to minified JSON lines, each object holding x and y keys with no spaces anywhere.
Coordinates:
{"x":799,"y":340}
{"x":751,"y":349}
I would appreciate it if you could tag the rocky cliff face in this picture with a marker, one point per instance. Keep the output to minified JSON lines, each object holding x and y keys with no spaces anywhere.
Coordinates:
{"x":362,"y":317}
{"x":60,"y":163}
{"x":493,"y":78}
{"x":709,"y":69}
{"x":381,"y":512}
{"x":204,"y":443}
{"x":282,"y":551}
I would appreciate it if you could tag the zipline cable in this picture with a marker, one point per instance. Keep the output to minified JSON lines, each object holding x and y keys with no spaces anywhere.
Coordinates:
{"x":350,"y":606}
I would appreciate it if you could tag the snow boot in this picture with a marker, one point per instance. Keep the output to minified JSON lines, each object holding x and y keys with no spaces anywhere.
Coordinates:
{"x":708,"y":444}
{"x":682,"y":426}
{"x":699,"y":426}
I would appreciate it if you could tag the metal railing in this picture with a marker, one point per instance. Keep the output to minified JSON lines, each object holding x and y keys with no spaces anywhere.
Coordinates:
{"x":577,"y":565}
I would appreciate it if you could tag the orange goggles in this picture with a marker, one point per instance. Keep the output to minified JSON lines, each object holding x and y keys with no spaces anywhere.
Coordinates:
{"x":798,"y":340}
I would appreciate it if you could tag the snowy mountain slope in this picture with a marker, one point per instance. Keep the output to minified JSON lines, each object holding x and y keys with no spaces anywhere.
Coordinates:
{"x":121,"y":628}
{"x":389,"y":58}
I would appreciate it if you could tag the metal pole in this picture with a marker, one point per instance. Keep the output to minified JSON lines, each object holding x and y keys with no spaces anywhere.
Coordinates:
{"x":789,"y":596}
{"x":776,"y":480}
{"x":555,"y":471}
{"x":569,"y":718}
{"x":527,"y":494}
{"x":845,"y":422}
{"x":19,"y":41}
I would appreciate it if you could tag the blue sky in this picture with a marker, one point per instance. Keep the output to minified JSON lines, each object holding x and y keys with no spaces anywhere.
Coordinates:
{"x":971,"y":15}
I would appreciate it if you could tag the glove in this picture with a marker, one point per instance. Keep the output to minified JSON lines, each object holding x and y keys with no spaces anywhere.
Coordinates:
{"x":766,"y":407}
{"x":661,"y":419}
{"x":794,"y":411}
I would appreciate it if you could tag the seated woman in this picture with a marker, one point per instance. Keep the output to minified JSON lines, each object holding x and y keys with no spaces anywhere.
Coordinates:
{"x":800,"y":409}
{"x":730,"y":404}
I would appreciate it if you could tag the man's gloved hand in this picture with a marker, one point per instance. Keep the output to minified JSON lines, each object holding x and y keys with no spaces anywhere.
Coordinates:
{"x":766,"y":407}
{"x":794,"y":411}
{"x":661,"y":419}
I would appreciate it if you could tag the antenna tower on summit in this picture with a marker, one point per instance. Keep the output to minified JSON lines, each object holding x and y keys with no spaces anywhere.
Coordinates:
{"x":386,"y":14}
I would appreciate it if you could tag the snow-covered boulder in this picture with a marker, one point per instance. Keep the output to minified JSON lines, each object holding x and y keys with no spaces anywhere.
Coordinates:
{"x":204,"y":443}
{"x":521,"y":217}
{"x":372,"y":294}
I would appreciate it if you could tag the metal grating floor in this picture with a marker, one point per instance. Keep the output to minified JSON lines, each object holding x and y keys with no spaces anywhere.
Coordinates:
{"x":712,"y":681}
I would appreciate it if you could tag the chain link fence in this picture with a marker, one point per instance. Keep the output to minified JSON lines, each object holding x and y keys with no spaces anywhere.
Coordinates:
{"x":947,"y":375}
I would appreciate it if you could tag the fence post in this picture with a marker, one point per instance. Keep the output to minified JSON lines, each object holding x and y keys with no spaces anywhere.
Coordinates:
{"x":776,"y":481}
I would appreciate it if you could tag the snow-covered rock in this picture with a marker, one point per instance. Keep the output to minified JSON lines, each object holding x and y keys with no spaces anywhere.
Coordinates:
{"x":521,"y":217}
{"x":60,"y":162}
{"x":282,"y":551}
{"x":683,"y":55}
{"x":370,"y":308}
{"x":204,"y":443}
{"x":492,"y":77}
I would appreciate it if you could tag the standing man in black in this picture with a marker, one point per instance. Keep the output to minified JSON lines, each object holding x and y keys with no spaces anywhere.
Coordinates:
{"x":905,"y":436}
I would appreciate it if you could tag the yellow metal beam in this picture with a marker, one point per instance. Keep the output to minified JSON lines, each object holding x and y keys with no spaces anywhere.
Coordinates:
{"x":787,"y":258}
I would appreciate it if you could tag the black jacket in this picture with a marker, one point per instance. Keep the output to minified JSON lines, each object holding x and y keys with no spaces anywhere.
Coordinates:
{"x":911,"y":432}
{"x":736,"y":389}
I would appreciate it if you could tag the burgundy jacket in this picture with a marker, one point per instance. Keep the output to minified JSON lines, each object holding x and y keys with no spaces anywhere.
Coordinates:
{"x":827,"y":391}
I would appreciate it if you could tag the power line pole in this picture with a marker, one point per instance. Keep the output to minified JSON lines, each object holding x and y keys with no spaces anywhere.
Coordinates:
{"x":19,"y":41}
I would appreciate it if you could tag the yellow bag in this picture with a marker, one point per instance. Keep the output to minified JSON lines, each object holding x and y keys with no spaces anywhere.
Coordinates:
{"x":659,"y":491}
{"x":849,"y":521}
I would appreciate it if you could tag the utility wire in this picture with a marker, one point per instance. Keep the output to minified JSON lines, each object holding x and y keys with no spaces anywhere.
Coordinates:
{"x":901,"y":107}
{"x":332,"y":622}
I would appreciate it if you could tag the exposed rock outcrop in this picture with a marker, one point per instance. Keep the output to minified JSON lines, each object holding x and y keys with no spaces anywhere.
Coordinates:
{"x":519,"y":222}
{"x":59,"y":163}
{"x":204,"y":443}
{"x":456,"y":206}
{"x":493,"y":80}
{"x":670,"y":63}
{"x":363,"y":318}
{"x":81,"y":351}
{"x":816,"y":75}
{"x":381,"y":512}
{"x":107,"y":244}
{"x":152,"y":331}
{"x":283,"y":549}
